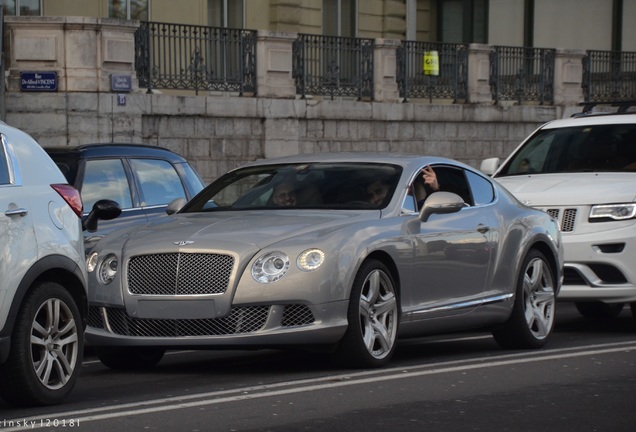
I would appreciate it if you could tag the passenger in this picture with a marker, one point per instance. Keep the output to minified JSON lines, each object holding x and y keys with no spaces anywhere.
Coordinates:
{"x":284,"y":195}
{"x":376,"y":191}
{"x":422,"y":191}
{"x":430,"y":178}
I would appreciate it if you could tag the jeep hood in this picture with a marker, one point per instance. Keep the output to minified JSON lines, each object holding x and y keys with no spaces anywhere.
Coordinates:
{"x":572,"y":189}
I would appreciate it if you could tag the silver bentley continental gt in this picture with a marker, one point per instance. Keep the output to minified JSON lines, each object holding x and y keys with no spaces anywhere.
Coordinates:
{"x":344,"y":252}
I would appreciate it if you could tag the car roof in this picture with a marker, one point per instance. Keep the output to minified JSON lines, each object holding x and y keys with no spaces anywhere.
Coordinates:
{"x":405,"y":160}
{"x":592,"y":119}
{"x":95,"y":150}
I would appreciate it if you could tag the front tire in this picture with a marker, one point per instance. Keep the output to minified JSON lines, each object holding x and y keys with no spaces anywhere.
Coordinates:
{"x":373,"y":316}
{"x":46,"y":348}
{"x":533,"y":315}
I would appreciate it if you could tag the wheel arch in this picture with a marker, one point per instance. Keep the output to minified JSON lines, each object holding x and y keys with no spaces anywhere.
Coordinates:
{"x":549,"y":254}
{"x":388,"y":261}
{"x":54,"y":268}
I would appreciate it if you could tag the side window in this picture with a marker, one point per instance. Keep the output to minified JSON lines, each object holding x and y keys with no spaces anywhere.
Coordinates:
{"x":4,"y":165}
{"x":410,"y":203}
{"x":483,"y":192}
{"x":158,"y":180}
{"x":105,"y":179}
{"x":453,"y":180}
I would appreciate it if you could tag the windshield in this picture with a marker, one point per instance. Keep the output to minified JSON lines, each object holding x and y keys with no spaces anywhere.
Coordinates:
{"x":608,"y":148}
{"x":305,"y":186}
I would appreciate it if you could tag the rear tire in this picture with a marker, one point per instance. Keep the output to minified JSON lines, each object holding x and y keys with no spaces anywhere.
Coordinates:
{"x":129,"y":358}
{"x":533,"y":315}
{"x":47,"y":348}
{"x":599,"y":309}
{"x":373,"y":316}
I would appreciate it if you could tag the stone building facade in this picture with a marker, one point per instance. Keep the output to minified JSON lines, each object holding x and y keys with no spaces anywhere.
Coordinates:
{"x":217,"y":133}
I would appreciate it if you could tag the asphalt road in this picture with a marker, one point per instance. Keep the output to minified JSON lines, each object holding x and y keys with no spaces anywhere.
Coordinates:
{"x":584,"y":380}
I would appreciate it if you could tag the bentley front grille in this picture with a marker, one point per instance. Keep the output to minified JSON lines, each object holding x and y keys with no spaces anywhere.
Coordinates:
{"x":179,"y":274}
{"x":241,"y":320}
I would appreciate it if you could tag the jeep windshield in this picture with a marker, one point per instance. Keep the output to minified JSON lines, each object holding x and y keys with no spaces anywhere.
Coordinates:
{"x":343,"y":185}
{"x":598,"y":148}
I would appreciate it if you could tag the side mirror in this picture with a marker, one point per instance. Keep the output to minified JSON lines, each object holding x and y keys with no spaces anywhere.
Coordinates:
{"x":489,"y":166}
{"x":103,"y":209}
{"x":175,"y":205}
{"x":441,"y":203}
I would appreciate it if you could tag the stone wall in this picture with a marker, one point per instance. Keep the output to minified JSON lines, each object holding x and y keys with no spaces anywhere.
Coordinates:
{"x":217,"y":133}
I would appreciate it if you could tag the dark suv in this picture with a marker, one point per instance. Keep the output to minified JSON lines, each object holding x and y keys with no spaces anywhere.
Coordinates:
{"x":142,"y":179}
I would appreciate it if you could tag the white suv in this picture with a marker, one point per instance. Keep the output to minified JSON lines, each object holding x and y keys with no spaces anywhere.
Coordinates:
{"x":582,"y":170}
{"x":43,"y":305}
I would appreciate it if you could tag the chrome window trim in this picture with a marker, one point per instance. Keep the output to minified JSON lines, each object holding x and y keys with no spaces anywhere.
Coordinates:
{"x":15,"y":175}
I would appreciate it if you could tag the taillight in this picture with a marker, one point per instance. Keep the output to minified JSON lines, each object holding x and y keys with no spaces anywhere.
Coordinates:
{"x":71,"y":196}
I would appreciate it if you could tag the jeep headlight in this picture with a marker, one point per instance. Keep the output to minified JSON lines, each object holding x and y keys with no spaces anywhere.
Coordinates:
{"x":613,"y":211}
{"x":270,"y":267}
{"x":107,"y":269}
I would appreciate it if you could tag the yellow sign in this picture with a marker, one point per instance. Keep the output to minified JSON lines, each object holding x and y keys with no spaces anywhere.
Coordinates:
{"x":431,"y":63}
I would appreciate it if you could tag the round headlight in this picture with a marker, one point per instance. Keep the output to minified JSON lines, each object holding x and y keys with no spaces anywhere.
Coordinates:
{"x":107,"y":269}
{"x":310,"y":259}
{"x":270,"y":267}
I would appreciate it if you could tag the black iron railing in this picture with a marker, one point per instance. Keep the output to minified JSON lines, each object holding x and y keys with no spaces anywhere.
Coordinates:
{"x":189,"y":57}
{"x":609,"y":76}
{"x":451,"y":82}
{"x":333,"y":66}
{"x":522,"y":74}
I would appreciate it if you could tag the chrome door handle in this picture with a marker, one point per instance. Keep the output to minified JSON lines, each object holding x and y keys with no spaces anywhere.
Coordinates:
{"x":19,"y":211}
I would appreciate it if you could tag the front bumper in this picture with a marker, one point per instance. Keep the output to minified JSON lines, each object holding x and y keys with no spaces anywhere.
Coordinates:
{"x":244,"y":326}
{"x":600,"y":267}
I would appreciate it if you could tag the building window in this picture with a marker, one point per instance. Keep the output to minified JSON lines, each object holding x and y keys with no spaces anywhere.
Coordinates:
{"x":226,"y":13}
{"x":128,"y":9}
{"x":23,"y":7}
{"x":463,"y":21}
{"x":339,"y":17}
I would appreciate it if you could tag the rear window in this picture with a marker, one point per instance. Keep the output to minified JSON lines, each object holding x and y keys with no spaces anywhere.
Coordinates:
{"x":576,"y":149}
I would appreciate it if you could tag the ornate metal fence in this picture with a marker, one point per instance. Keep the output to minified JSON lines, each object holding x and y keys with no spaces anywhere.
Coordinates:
{"x":189,"y":57}
{"x":522,"y":74}
{"x":450,"y":83}
{"x":333,"y":66}
{"x":609,"y":76}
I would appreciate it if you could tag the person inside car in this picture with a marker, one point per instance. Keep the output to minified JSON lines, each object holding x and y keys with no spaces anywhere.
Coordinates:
{"x":284,"y":195}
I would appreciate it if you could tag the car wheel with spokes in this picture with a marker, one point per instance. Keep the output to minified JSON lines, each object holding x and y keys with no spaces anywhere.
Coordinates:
{"x":533,"y":315}
{"x":373,"y":317}
{"x":46,"y":348}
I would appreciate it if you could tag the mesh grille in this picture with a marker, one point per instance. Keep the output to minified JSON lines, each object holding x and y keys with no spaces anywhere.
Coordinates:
{"x":179,"y":274}
{"x":567,"y":221}
{"x":95,"y":317}
{"x":297,"y":315}
{"x":241,"y":320}
{"x":566,"y":218}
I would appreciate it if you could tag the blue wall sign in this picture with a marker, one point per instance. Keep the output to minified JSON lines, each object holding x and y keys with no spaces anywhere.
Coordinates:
{"x":120,"y":83}
{"x":38,"y":81}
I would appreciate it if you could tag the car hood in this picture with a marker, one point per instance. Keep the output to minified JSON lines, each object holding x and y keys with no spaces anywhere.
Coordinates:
{"x":571,"y":188}
{"x":241,"y":232}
